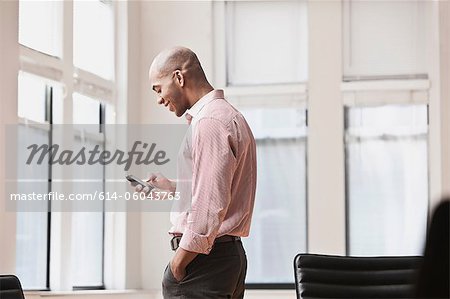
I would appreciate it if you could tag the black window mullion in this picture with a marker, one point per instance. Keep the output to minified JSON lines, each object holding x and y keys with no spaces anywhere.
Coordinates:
{"x":49,"y":119}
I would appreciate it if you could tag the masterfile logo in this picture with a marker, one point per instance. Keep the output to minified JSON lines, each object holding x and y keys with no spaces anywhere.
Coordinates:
{"x":95,"y":155}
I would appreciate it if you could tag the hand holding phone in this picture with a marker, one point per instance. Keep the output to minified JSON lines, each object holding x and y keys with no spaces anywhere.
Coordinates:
{"x":135,"y":181}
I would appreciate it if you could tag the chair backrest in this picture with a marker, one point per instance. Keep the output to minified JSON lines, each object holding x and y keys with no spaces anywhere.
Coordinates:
{"x":10,"y":287}
{"x":434,"y":275}
{"x":325,"y":276}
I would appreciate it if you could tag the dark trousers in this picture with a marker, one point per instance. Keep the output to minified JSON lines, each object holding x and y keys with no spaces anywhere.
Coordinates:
{"x":220,"y":274}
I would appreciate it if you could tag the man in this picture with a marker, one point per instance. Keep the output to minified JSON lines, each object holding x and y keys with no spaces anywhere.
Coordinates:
{"x":219,"y":155}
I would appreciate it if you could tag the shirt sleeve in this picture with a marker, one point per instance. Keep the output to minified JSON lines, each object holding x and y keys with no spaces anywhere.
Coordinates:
{"x":213,"y":166}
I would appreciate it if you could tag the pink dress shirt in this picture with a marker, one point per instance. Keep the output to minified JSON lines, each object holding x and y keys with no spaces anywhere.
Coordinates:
{"x":216,"y":175}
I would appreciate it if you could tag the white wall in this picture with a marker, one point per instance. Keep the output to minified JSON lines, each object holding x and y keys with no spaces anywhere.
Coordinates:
{"x":9,"y":61}
{"x":326,"y":194}
{"x":444,"y":55}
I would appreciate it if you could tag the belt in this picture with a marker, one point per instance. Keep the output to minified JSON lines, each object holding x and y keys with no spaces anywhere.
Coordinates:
{"x":175,"y":242}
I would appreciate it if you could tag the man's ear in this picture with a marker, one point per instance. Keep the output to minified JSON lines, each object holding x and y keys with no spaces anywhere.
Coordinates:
{"x":179,"y":77}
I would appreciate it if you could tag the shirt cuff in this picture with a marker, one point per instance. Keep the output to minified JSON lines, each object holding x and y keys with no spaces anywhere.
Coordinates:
{"x":194,"y":242}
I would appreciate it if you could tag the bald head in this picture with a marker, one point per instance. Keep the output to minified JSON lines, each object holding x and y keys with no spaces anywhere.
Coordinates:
{"x":178,"y":78}
{"x":177,"y":58}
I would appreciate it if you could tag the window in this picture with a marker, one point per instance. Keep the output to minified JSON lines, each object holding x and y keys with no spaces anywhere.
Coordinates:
{"x":279,"y":218}
{"x":88,"y":227}
{"x":56,"y":89}
{"x":40,"y":26}
{"x":266,"y":42}
{"x":93,"y":37}
{"x":32,"y":98}
{"x":386,"y":125}
{"x":387,"y":175}
{"x":399,"y":26}
{"x":35,"y":101}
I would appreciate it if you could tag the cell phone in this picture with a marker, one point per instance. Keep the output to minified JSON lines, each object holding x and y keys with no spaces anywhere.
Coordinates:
{"x":133,"y":179}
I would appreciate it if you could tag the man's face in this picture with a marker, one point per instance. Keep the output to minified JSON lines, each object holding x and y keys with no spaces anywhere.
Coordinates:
{"x":170,"y":94}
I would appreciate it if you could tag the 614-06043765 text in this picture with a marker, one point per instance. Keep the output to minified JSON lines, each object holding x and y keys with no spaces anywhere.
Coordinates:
{"x":100,"y":196}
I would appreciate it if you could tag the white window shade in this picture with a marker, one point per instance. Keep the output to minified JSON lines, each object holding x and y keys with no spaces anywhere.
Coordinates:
{"x":87,"y":239}
{"x":93,"y":37}
{"x":31,"y":97}
{"x":40,"y":26}
{"x":384,"y":38}
{"x":266,"y":42}
{"x":86,"y":110}
{"x":87,"y":227}
{"x":278,"y":230}
{"x":32,"y":227}
{"x":387,"y":179}
{"x":276,"y":123}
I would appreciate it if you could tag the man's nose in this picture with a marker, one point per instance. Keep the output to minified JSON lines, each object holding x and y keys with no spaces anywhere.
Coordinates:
{"x":161,"y":100}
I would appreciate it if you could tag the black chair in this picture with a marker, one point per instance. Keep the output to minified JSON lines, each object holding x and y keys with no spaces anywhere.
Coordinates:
{"x":10,"y":287}
{"x":434,"y":275}
{"x":325,"y":276}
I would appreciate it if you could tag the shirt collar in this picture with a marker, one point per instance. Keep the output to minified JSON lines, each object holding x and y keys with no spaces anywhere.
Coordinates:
{"x":203,"y":101}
